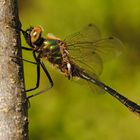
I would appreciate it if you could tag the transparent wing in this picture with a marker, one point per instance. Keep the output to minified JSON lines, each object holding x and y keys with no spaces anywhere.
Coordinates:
{"x":108,"y":48}
{"x":89,"y":50}
{"x":91,"y":64}
{"x":87,"y":34}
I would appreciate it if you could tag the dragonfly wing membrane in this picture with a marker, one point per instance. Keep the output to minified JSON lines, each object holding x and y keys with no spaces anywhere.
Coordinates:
{"x":88,"y":33}
{"x":89,"y":50}
{"x":109,"y":48}
{"x":92,"y":65}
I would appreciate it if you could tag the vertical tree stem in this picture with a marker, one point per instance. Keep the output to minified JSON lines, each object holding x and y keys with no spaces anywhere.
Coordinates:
{"x":13,"y":106}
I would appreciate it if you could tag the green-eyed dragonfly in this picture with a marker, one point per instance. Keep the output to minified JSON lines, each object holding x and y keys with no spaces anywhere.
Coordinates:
{"x":79,"y":55}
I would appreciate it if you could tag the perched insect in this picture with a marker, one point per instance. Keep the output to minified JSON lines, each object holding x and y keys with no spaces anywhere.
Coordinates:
{"x":79,"y":55}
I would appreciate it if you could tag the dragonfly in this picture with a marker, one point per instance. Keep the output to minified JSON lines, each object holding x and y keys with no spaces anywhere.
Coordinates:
{"x":79,"y":55}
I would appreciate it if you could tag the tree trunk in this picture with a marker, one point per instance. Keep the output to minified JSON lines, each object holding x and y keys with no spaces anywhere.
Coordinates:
{"x":13,"y":105}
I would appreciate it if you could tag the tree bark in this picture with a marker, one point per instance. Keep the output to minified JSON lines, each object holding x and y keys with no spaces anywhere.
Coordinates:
{"x":13,"y":105}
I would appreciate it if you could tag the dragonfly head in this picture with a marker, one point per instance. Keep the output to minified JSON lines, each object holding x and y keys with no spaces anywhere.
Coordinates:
{"x":33,"y":35}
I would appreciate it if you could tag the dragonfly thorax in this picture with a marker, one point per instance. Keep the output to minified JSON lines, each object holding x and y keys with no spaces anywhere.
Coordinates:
{"x":55,"y":52}
{"x":51,"y":51}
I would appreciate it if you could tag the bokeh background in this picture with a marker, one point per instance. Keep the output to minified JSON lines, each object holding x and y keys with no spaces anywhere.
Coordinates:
{"x":70,"y":111}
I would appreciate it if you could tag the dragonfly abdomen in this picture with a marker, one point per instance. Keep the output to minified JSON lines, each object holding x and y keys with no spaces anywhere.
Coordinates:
{"x":132,"y":106}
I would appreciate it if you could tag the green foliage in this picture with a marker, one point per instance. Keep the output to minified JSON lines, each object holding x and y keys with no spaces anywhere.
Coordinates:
{"x":70,"y":111}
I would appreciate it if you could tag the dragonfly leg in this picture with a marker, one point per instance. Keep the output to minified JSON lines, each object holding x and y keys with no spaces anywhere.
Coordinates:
{"x":16,"y":57}
{"x":47,"y":74}
{"x":38,"y":67}
{"x":49,"y":78}
{"x":27,"y":49}
{"x":38,"y":73}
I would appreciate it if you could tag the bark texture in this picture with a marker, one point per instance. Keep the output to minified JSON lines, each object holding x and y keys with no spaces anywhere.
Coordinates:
{"x":13,"y":106}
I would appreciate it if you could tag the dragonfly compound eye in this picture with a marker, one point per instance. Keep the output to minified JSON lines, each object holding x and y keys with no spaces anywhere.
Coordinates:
{"x":36,"y":34}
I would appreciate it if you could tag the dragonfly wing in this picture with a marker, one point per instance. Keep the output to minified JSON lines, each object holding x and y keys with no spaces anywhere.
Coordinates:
{"x":88,"y":33}
{"x":80,"y":52}
{"x":91,"y":64}
{"x":89,"y":50}
{"x":109,"y":48}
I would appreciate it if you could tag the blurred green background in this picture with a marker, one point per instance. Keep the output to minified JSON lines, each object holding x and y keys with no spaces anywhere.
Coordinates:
{"x":70,"y":111}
